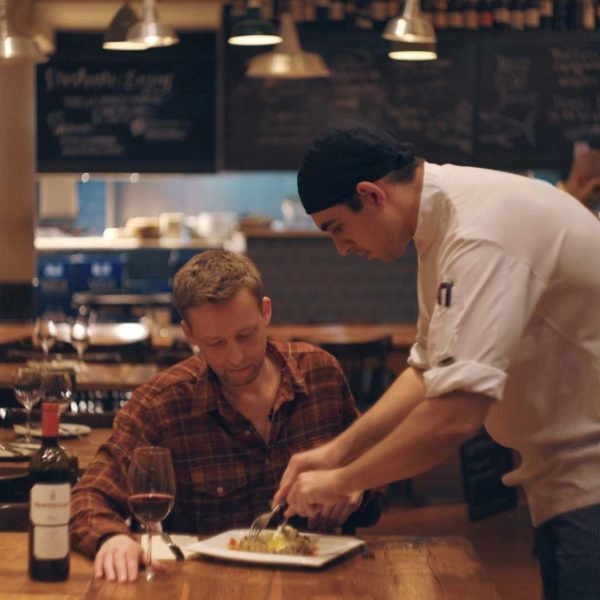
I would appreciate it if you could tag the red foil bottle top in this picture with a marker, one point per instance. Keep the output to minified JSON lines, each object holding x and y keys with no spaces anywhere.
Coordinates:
{"x":49,"y":419}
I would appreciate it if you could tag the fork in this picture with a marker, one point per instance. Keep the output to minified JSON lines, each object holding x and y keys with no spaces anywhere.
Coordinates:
{"x":263,"y":520}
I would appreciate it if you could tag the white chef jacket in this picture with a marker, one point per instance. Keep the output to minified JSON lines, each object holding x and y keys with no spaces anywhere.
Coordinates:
{"x":509,"y":307}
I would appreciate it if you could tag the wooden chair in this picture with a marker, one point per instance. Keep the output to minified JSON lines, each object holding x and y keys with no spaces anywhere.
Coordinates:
{"x":365,"y":366}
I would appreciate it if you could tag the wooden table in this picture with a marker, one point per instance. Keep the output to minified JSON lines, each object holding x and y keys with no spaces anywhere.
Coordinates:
{"x":444,"y":568}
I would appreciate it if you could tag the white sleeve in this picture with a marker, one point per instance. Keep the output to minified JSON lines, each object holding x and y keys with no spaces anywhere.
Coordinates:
{"x":472,"y":339}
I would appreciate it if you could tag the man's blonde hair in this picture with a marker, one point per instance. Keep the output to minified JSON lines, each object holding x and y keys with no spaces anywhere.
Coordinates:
{"x":215,"y":276}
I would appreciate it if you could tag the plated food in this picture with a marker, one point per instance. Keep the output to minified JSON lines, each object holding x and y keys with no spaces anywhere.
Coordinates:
{"x":284,"y":540}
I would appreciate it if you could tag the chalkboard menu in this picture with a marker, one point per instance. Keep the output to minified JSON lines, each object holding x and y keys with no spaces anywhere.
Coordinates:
{"x":538,"y":94}
{"x":149,"y":111}
{"x":269,"y":123}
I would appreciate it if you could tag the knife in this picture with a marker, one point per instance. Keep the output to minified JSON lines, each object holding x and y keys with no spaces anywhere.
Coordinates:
{"x":173,"y":547}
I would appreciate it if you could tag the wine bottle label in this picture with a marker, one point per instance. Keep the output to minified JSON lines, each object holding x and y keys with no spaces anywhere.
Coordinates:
{"x":49,"y":515}
{"x":50,"y":543}
{"x":50,"y":504}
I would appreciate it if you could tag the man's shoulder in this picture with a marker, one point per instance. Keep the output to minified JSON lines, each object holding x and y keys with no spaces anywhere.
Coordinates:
{"x":177,"y":380}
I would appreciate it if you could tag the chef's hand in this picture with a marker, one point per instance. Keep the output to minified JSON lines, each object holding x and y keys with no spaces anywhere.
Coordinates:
{"x":119,"y":558}
{"x":311,"y":460}
{"x":335,"y":515}
{"x":312,"y":490}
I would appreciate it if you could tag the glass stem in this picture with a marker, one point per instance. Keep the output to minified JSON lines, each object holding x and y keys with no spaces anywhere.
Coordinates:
{"x":149,"y":571}
{"x":28,"y":426}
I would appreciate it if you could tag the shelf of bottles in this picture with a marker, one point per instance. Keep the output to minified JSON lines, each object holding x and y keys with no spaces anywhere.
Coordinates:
{"x":356,"y":15}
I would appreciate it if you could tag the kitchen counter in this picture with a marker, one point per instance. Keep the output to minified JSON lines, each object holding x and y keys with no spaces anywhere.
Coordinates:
{"x":75,"y":244}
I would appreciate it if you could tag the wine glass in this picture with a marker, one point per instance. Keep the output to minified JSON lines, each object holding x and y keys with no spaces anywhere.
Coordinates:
{"x":151,"y":490}
{"x":28,"y":391}
{"x":44,"y":334}
{"x":79,"y":335}
{"x":57,"y":386}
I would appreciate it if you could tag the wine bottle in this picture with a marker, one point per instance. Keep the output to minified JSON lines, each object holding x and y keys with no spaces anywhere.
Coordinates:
{"x":49,"y":504}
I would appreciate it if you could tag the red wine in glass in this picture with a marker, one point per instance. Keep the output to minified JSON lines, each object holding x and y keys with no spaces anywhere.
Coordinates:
{"x":151,"y":490}
{"x":151,"y":508}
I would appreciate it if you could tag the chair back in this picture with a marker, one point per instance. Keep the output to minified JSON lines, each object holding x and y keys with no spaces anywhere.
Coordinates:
{"x":365,"y":366}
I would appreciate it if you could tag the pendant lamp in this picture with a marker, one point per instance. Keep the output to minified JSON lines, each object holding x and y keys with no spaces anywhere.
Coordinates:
{"x":413,"y":35}
{"x":254,"y":30}
{"x":288,"y":60}
{"x":149,"y":31}
{"x":16,"y":48}
{"x":115,"y":37}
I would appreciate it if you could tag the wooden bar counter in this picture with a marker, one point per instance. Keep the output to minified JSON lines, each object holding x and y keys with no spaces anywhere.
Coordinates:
{"x":444,"y":568}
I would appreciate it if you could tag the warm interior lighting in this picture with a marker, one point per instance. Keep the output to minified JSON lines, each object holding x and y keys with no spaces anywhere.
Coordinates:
{"x":408,"y":51}
{"x":16,"y":48}
{"x":288,"y":60}
{"x":253,"y":30}
{"x":115,"y":37}
{"x":149,"y":31}
{"x":411,"y":29}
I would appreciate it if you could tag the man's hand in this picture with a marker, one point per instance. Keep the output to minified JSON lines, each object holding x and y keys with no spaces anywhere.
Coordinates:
{"x":335,"y":515}
{"x":119,"y":558}
{"x":311,"y":460}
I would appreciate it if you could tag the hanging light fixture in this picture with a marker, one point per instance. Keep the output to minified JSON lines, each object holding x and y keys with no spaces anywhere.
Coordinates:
{"x":412,"y":51}
{"x":149,"y":31}
{"x":16,"y":48}
{"x":413,"y":35}
{"x":115,"y":37}
{"x":288,"y":60}
{"x":253,"y":30}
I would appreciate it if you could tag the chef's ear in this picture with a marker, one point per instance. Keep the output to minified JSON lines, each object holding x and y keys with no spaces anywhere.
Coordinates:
{"x":370,"y":192}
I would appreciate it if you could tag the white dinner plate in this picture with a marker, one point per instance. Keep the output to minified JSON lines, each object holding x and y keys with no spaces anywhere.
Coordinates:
{"x":65,"y":430}
{"x":329,"y":547}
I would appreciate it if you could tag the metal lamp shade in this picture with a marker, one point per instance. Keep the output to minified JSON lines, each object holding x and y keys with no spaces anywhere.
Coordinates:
{"x":254,"y":32}
{"x":288,"y":60}
{"x":411,"y":51}
{"x":410,"y":26}
{"x":18,"y":49}
{"x":149,"y":31}
{"x":115,"y":37}
{"x":152,"y":34}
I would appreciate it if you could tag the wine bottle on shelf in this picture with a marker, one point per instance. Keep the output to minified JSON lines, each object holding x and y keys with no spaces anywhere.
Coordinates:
{"x":532,"y":15}
{"x":336,"y":15}
{"x":379,"y":10}
{"x":322,"y":12}
{"x":486,"y":18}
{"x":471,"y":11}
{"x":456,"y":15}
{"x":587,"y":15}
{"x":546,"y":14}
{"x":350,"y":9}
{"x":501,"y":12}
{"x":310,"y":14}
{"x":440,"y":15}
{"x":517,"y":15}
{"x":49,"y":503}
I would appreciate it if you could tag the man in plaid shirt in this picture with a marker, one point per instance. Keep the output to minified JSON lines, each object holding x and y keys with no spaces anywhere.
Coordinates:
{"x":232,"y":416}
